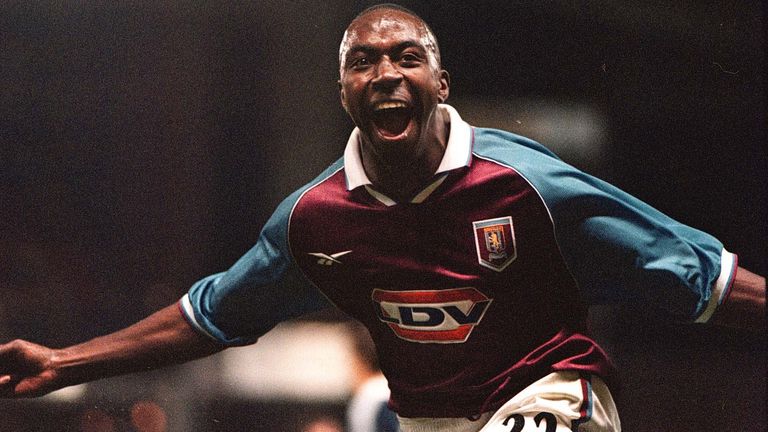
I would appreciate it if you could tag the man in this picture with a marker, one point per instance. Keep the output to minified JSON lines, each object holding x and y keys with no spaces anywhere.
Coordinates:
{"x":469,"y":254}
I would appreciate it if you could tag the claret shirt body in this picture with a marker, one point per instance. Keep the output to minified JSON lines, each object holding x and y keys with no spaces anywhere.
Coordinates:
{"x":476,"y":287}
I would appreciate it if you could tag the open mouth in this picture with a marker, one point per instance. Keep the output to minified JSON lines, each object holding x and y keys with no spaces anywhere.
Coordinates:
{"x":391,"y":118}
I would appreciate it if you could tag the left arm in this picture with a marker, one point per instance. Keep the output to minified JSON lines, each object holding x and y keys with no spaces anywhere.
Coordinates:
{"x":744,"y":306}
{"x":619,"y":249}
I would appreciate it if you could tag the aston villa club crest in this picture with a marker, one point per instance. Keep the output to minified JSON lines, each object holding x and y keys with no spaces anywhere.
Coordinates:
{"x":495,"y":242}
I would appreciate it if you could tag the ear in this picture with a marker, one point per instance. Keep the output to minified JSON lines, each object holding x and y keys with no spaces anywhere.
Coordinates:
{"x":444,"y":80}
{"x":342,"y":95}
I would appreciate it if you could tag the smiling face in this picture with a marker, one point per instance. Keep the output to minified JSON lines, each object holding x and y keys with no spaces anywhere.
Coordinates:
{"x":391,"y":82}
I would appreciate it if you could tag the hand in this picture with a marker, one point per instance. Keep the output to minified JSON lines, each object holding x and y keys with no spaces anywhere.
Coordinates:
{"x":26,"y":370}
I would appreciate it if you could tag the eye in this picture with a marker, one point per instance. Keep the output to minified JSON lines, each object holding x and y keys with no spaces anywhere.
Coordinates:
{"x":360,"y":63}
{"x":410,"y":59}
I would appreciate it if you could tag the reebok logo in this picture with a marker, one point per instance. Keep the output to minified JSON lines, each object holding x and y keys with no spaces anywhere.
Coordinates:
{"x":327,"y":260}
{"x":440,"y":316}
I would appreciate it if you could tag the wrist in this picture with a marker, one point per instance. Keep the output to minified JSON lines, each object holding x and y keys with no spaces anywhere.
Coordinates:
{"x":55,"y":367}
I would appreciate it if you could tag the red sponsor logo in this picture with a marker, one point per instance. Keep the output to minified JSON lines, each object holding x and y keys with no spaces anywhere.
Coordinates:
{"x":435,"y":316}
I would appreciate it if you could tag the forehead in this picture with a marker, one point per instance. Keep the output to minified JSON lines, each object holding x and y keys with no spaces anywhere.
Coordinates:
{"x":385,"y":26}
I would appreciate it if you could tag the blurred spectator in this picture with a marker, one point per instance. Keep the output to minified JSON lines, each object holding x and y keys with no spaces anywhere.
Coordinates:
{"x":367,"y":410}
{"x":147,"y":416}
{"x":323,"y":424}
{"x":96,"y":420}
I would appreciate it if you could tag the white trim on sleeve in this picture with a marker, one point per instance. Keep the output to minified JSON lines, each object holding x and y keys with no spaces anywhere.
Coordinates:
{"x":189,"y":314}
{"x":721,"y":286}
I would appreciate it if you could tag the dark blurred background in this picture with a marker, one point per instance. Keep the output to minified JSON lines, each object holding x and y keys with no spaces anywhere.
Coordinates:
{"x":144,"y":144}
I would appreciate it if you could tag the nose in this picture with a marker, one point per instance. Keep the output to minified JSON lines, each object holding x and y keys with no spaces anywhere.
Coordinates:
{"x":387,"y":74}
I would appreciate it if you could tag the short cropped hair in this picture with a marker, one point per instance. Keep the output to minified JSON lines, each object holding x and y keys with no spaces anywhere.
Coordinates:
{"x":433,"y":45}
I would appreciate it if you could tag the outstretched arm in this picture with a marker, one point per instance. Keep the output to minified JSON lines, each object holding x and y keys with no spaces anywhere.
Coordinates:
{"x":163,"y":338}
{"x":745,"y":305}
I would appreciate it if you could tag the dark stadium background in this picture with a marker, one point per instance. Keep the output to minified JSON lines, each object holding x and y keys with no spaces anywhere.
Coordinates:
{"x":143,"y":145}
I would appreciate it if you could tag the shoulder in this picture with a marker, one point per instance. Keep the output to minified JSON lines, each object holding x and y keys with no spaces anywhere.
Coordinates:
{"x":276,"y":227}
{"x":335,"y":168}
{"x":506,"y":146}
{"x":286,"y":206}
{"x":555,"y":181}
{"x":539,"y":166}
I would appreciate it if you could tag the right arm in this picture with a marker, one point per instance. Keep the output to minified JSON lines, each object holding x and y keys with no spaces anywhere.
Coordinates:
{"x":164,"y":338}
{"x":262,"y":289}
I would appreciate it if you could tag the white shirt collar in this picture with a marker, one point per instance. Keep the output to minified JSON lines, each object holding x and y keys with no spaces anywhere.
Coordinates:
{"x":458,"y":152}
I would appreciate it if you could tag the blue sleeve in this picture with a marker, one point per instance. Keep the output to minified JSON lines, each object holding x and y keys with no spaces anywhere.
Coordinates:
{"x":618,"y":248}
{"x":262,"y":289}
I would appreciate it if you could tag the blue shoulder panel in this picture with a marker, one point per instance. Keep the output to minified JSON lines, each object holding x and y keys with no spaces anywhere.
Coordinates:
{"x":262,"y":289}
{"x":618,"y":248}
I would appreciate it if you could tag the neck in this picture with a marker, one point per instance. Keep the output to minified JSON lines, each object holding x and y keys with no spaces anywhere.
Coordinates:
{"x":401,"y":175}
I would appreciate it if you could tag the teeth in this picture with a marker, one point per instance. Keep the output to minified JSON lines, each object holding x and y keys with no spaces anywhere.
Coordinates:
{"x":389,"y":105}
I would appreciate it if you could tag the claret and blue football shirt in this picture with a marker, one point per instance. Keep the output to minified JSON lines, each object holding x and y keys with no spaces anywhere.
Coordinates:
{"x":476,"y":287}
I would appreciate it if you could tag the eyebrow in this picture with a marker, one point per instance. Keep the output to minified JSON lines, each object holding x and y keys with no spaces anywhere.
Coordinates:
{"x":370,"y":49}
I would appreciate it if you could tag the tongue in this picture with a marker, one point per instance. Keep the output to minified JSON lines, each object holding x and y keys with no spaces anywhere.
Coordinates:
{"x":392,"y":122}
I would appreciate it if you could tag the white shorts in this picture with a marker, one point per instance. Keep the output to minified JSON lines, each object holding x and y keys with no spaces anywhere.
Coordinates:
{"x":559,"y":402}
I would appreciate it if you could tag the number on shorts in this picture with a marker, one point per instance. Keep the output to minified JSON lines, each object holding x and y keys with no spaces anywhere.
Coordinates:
{"x":519,"y":421}
{"x":549,"y":418}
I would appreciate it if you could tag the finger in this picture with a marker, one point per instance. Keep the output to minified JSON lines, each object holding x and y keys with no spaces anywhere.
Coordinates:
{"x":7,"y":360}
{"x":8,"y":349}
{"x":7,"y":387}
